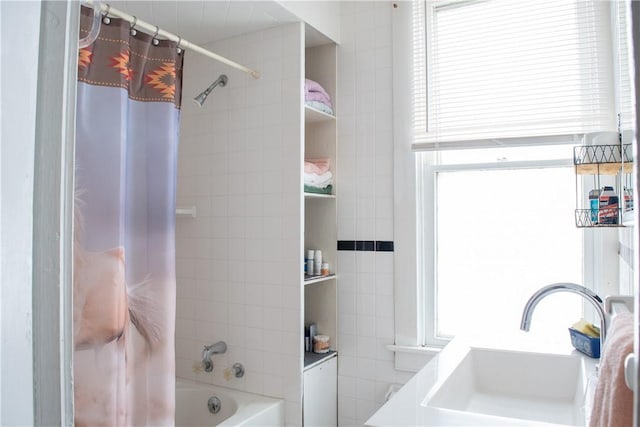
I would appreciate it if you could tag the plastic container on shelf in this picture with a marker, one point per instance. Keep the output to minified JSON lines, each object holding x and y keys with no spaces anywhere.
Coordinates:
{"x":584,"y":343}
{"x":321,"y":344}
{"x":325,"y":269}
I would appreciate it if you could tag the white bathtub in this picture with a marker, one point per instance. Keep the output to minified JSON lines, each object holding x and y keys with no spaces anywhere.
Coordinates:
{"x":237,"y":409}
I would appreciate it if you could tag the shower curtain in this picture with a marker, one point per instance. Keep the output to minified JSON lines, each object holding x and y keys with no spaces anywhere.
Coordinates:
{"x":129,"y":92}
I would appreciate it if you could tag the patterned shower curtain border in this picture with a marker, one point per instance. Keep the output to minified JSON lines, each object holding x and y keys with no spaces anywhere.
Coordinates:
{"x":161,"y":67}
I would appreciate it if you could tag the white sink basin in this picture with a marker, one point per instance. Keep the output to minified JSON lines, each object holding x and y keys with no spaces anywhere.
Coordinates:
{"x":511,"y":381}
{"x":541,"y":387}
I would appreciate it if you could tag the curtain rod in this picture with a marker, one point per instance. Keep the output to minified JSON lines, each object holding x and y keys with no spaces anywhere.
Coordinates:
{"x":182,"y":43}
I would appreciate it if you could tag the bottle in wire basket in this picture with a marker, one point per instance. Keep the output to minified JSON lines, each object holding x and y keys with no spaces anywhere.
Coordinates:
{"x":628,"y":199}
{"x":608,"y":209}
{"x":594,"y":204}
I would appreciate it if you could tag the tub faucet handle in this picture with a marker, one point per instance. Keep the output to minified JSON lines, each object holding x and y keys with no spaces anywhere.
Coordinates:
{"x":237,"y":370}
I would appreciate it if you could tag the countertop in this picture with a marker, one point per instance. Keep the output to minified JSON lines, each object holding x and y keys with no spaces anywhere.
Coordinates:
{"x":405,"y":407}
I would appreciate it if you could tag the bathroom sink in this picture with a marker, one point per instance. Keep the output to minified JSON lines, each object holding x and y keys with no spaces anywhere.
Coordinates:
{"x":502,"y":380}
{"x":515,"y":384}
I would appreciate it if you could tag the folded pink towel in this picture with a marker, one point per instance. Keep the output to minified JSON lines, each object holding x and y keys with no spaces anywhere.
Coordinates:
{"x":316,"y":166}
{"x":314,"y":92}
{"x":318,"y":96}
{"x":313,"y":86}
{"x":613,"y":401}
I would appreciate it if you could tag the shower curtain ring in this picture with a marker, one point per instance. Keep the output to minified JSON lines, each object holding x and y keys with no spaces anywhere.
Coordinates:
{"x":179,"y":49}
{"x":106,"y":18}
{"x":156,"y":42}
{"x":133,"y":30}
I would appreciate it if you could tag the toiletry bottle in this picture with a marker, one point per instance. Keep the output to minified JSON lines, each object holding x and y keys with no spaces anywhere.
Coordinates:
{"x":608,"y":213}
{"x":594,"y":204}
{"x":313,"y":331}
{"x":628,"y":199}
{"x":307,"y":339}
{"x":310,"y":262}
{"x":317,"y":262}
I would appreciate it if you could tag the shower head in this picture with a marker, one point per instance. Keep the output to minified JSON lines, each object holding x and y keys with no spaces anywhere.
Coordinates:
{"x":221,"y":81}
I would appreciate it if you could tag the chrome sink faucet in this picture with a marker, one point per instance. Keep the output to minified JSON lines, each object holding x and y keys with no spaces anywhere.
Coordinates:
{"x":208,"y":351}
{"x":588,"y":294}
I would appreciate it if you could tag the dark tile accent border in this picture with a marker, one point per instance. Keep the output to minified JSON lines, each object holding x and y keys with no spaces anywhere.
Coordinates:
{"x":365,"y":245}
{"x":384,"y":246}
{"x":346,"y":245}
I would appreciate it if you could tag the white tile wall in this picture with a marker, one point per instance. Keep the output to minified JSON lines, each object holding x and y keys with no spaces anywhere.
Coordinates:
{"x":238,"y":275}
{"x":238,"y":261}
{"x":365,"y":210}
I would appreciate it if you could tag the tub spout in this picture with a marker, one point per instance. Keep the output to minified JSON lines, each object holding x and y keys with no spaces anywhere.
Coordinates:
{"x":588,"y":294}
{"x":208,"y":351}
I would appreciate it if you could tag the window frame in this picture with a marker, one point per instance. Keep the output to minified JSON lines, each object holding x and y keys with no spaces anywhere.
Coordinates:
{"x":428,"y":166}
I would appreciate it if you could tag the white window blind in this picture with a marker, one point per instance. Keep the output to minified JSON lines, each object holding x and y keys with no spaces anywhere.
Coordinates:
{"x":505,"y":72}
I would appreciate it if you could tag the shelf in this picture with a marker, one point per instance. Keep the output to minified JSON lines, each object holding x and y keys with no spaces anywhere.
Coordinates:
{"x":320,"y":293}
{"x":311,"y":115}
{"x":583,"y":220}
{"x":602,"y":159}
{"x":314,"y":359}
{"x":308,"y":280}
{"x":318,"y":196}
{"x":603,"y":168}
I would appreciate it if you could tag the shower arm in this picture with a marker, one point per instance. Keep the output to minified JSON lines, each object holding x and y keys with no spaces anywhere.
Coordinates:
{"x":211,"y":87}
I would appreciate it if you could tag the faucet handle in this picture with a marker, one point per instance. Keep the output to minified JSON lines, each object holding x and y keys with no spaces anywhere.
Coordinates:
{"x":237,"y":370}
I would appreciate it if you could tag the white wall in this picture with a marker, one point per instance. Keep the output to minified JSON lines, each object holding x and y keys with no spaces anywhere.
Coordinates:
{"x":18,"y":110}
{"x":324,"y":15}
{"x":239,"y":262}
{"x":365,"y":210}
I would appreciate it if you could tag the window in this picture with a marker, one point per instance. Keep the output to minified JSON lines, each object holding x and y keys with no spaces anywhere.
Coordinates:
{"x":501,"y":229}
{"x":501,"y":92}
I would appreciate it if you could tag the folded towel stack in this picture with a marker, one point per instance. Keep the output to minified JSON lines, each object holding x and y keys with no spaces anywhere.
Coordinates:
{"x":317,"y":176}
{"x":613,"y":401}
{"x":316,"y":97}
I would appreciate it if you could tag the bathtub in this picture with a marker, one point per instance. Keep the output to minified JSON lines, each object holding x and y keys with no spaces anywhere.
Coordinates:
{"x":237,"y":408}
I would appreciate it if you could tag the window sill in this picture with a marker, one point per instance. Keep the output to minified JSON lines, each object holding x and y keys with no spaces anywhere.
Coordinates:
{"x":412,"y":358}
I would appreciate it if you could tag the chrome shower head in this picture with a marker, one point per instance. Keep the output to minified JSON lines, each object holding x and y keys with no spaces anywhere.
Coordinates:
{"x":220,"y":81}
